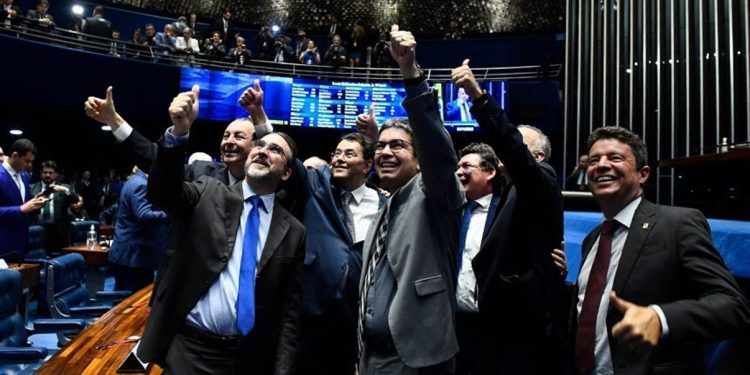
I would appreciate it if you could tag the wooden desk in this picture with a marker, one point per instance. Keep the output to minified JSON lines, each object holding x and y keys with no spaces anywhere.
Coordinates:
{"x":29,"y":274}
{"x":107,"y":230}
{"x":93,"y":258}
{"x":126,"y":319}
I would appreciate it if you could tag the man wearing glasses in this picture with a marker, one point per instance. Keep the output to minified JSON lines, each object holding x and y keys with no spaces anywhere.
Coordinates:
{"x":231,"y":299}
{"x":407,"y":288}
{"x":338,"y":208}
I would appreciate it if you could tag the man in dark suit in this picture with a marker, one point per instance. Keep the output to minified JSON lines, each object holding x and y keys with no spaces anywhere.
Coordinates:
{"x":16,"y":201}
{"x":39,"y":18}
{"x":10,"y":15}
{"x":652,"y":289}
{"x":225,"y":26}
{"x":231,"y":300}
{"x":577,"y":180}
{"x":521,"y":299}
{"x":337,"y":210}
{"x":407,"y":288}
{"x":54,"y":215}
{"x":96,"y":24}
{"x":140,"y":236}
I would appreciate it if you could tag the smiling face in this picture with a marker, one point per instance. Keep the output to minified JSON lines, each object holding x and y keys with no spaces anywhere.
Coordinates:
{"x":395,"y":167}
{"x":49,"y":175}
{"x":348,"y":165}
{"x":267,"y":162}
{"x":614,"y":178}
{"x":477,"y":182}
{"x":237,"y":142}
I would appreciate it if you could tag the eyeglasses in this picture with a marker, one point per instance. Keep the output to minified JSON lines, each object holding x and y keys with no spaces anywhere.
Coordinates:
{"x":396,"y":145}
{"x":348,"y":155}
{"x":272,"y":147}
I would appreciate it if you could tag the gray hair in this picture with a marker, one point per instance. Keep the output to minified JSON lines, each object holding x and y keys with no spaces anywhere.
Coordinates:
{"x":542,"y":143}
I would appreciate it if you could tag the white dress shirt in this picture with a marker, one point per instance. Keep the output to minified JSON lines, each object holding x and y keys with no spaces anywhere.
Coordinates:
{"x":364,"y":208}
{"x":216,"y":311}
{"x":16,"y":176}
{"x":466,"y":293}
{"x":602,"y":355}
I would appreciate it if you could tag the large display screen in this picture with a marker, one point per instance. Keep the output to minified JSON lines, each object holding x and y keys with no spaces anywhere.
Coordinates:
{"x":324,"y":103}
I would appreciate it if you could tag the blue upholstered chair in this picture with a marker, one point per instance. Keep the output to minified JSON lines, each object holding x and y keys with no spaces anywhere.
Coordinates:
{"x":35,"y":247}
{"x":79,"y":229}
{"x":14,"y":346}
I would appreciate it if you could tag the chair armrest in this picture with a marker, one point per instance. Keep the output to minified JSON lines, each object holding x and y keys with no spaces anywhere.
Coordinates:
{"x":112,"y":295}
{"x":55,"y":325}
{"x":91,"y":311}
{"x":22,"y":354}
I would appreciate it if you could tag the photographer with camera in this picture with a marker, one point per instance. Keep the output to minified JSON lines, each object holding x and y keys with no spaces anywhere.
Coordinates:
{"x":310,"y":56}
{"x":283,"y":50}
{"x":336,"y":54}
{"x":265,"y":44}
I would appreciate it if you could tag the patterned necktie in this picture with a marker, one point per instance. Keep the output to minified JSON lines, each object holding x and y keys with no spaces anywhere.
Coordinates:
{"x":586,"y":335}
{"x":380,"y":244}
{"x":246,"y":293}
{"x":347,"y":199}
{"x":465,"y":221}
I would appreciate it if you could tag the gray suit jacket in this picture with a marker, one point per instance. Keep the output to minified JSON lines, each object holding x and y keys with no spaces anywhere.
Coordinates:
{"x":421,"y":245}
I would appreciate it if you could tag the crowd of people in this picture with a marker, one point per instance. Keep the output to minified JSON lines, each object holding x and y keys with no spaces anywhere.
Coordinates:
{"x":438,"y":263}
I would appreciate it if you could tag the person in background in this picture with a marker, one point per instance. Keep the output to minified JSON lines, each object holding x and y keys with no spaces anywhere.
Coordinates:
{"x":10,"y":15}
{"x":240,"y":55}
{"x":76,"y":212}
{"x":214,"y":47}
{"x":578,"y":179}
{"x":336,"y":54}
{"x":97,"y":25}
{"x":357,"y":46}
{"x":54,"y":215}
{"x":39,"y":18}
{"x":310,"y":56}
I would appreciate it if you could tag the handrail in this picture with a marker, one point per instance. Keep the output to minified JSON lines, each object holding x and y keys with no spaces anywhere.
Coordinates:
{"x":79,"y":41}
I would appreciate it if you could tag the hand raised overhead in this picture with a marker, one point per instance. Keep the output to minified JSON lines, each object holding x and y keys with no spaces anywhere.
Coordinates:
{"x":183,"y":110}
{"x":464,"y":77}
{"x":367,"y":124}
{"x":403,"y":47}
{"x":252,"y":101}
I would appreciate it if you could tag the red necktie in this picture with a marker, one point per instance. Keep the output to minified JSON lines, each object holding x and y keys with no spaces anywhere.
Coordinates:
{"x":586,"y":335}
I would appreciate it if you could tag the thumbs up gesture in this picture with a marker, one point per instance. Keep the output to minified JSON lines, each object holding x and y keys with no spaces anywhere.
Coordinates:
{"x":183,"y":110}
{"x":464,"y":77}
{"x":403,"y":46}
{"x":640,"y":327}
{"x":103,"y":110}
{"x":367,"y":125}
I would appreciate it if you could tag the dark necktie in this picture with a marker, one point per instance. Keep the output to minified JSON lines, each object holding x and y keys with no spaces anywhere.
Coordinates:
{"x":586,"y":335}
{"x":347,"y":198}
{"x":465,"y":221}
{"x":246,"y":293}
{"x":47,"y":209}
{"x":380,"y":243}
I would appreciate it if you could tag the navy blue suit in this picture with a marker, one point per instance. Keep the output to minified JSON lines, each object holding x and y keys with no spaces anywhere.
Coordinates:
{"x":333,"y":265}
{"x":140,"y":236}
{"x":14,"y":225}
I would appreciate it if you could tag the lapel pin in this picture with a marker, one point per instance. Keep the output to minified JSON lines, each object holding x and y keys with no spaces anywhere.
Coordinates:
{"x":645,"y":225}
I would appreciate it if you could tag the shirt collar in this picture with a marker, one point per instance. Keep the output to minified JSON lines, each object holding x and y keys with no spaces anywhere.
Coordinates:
{"x":359,"y":192}
{"x":10,"y":169}
{"x":625,"y":216}
{"x":267,"y":199}
{"x":484,"y":201}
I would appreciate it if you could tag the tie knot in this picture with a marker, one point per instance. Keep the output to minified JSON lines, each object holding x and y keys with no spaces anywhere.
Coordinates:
{"x":471,"y":206}
{"x":255,"y":201}
{"x":609,"y":227}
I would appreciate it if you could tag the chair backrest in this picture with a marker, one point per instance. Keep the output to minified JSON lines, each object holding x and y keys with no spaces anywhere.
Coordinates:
{"x":35,"y":246}
{"x":78,"y":230}
{"x":12,"y":332}
{"x":66,"y":284}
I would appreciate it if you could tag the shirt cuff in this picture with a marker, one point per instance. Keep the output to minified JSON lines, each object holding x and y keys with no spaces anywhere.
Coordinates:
{"x":171,"y":140}
{"x":123,"y":132}
{"x":662,"y":319}
{"x":262,"y":130}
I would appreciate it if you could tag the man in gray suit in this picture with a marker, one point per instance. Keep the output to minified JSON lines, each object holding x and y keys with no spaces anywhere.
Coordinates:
{"x":407,"y":288}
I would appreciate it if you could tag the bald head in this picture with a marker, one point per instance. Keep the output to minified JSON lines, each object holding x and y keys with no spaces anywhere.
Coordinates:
{"x":536,"y":141}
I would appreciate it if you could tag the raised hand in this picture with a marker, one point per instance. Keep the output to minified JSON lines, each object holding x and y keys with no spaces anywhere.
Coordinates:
{"x":103,"y":110}
{"x":464,"y":77}
{"x":367,"y":124}
{"x":183,"y":110}
{"x":561,"y":262}
{"x":640,"y":327}
{"x":252,"y":100}
{"x":403,"y":46}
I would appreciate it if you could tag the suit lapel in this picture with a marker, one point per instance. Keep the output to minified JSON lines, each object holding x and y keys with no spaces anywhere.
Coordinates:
{"x":369,"y":239}
{"x":233,"y":210}
{"x":276,"y":233}
{"x":329,"y":198}
{"x":640,"y":228}
{"x":491,"y":212}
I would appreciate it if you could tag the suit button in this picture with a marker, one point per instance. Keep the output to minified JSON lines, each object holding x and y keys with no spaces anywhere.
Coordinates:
{"x":224,"y":258}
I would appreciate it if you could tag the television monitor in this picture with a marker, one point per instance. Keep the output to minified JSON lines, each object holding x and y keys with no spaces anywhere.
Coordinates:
{"x":456,"y":104}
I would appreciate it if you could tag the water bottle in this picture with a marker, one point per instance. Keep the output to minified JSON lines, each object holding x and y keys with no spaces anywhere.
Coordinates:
{"x":91,"y":238}
{"x":724,"y":145}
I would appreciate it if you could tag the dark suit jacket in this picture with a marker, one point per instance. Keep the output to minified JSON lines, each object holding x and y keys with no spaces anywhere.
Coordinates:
{"x":522,"y":298}
{"x":33,"y":17}
{"x":228,"y":37}
{"x":61,"y":202}
{"x":141,"y":231}
{"x":330,"y":252}
{"x":571,"y":183}
{"x":4,"y":14}
{"x":98,"y":26}
{"x":669,"y":260}
{"x":14,"y":225}
{"x":212,"y":212}
{"x":423,"y":221}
